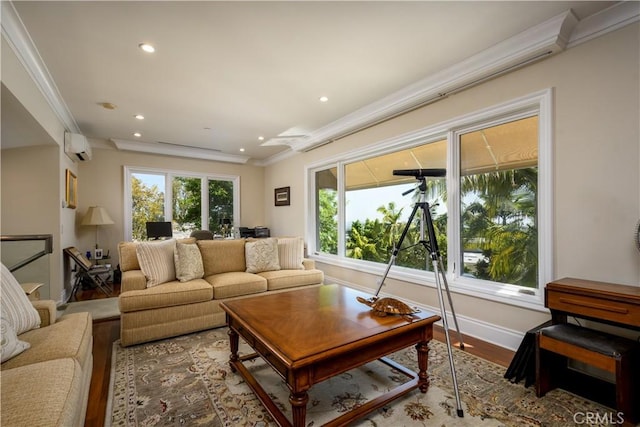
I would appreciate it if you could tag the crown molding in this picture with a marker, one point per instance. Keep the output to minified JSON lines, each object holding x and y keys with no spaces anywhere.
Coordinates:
{"x":537,"y":43}
{"x":177,"y":151}
{"x":548,"y":38}
{"x":16,"y":35}
{"x":605,"y":21}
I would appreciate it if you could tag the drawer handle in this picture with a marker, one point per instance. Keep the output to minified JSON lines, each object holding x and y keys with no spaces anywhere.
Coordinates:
{"x":619,"y":310}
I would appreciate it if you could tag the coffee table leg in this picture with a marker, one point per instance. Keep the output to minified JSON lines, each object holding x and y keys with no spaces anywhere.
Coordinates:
{"x":423,"y":361}
{"x":299,"y":408}
{"x":233,"y":344}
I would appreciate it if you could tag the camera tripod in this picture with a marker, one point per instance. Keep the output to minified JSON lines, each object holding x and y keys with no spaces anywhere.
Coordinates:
{"x":431,"y":246}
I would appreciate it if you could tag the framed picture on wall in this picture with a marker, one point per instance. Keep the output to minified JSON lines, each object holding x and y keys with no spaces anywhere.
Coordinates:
{"x":281,"y":196}
{"x":71,"y":190}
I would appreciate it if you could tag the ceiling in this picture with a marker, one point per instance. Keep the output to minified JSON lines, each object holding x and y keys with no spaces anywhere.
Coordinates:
{"x":226,"y":73}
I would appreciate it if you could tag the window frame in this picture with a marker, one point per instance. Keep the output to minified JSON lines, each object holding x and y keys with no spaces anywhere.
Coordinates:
{"x":537,"y":103}
{"x":169,"y":174}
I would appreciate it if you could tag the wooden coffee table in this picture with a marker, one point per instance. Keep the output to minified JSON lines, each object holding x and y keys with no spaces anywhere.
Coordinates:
{"x":312,"y":334}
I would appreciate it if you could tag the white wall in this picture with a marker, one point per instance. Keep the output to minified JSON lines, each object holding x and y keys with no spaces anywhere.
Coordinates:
{"x":596,"y":182}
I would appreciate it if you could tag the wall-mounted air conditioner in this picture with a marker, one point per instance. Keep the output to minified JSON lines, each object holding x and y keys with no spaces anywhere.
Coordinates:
{"x":76,"y":146}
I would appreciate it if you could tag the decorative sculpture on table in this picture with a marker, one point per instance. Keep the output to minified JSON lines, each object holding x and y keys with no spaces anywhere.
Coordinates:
{"x":383,"y":306}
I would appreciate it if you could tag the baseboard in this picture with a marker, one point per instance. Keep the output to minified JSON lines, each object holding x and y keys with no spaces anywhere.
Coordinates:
{"x":488,"y":332}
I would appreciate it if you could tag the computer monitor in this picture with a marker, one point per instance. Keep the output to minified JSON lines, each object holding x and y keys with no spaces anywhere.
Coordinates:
{"x":157,"y":230}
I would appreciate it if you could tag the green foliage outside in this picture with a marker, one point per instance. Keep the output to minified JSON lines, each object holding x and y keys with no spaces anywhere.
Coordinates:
{"x":327,"y":221}
{"x":148,"y":205}
{"x":220,"y":204}
{"x":187,"y":204}
{"x":500,"y":222}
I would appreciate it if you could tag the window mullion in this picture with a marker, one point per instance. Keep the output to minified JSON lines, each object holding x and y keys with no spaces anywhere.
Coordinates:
{"x":168,"y":197}
{"x":342,"y":251}
{"x":204,"y":202}
{"x":454,"y":263}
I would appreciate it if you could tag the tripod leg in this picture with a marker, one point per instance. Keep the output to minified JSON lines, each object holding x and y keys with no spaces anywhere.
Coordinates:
{"x":396,"y":248}
{"x":445,"y":323}
{"x":453,"y":312}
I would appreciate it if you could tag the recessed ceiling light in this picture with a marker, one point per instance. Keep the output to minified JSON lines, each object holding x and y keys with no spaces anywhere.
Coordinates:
{"x":242,"y":150}
{"x":137,"y":134}
{"x":323,"y":99}
{"x":147,"y":47}
{"x":139,"y":116}
{"x":261,"y":138}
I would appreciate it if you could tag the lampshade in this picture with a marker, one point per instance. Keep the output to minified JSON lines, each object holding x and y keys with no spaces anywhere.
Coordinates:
{"x":96,"y":215}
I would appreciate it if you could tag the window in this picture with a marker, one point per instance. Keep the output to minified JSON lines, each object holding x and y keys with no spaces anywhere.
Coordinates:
{"x":326,"y":191}
{"x":186,"y":199}
{"x":498,"y":186}
{"x":379,"y":204}
{"x":497,"y":190}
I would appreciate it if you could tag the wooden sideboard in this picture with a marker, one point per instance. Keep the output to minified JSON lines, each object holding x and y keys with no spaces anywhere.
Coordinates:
{"x":599,"y":301}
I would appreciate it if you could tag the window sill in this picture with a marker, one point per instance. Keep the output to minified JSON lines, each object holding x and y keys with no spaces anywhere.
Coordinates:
{"x":504,"y":294}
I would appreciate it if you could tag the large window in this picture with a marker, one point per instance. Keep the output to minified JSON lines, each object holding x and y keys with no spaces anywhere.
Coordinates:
{"x":498,"y":203}
{"x":497,"y":190}
{"x":186,"y":200}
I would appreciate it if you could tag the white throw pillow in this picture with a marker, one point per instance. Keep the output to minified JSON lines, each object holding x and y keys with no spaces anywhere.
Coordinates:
{"x":156,"y":261}
{"x":291,"y":253}
{"x":11,"y":345}
{"x":261,"y":255}
{"x":188,"y":262}
{"x":16,"y":306}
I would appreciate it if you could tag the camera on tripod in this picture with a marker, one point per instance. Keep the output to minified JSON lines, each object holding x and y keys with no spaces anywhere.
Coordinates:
{"x":421,"y":173}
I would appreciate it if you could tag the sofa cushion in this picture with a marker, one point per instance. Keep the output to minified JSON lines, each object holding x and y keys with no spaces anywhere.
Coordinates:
{"x":284,"y":279}
{"x":42,"y":394}
{"x":234,"y":284}
{"x":261,"y":255}
{"x":71,"y":336}
{"x":222,"y":256}
{"x":15,"y":305}
{"x":290,"y":253}
{"x":128,"y":256}
{"x":166,"y":295}
{"x":188,"y":262}
{"x":11,"y":345}
{"x":156,"y":261}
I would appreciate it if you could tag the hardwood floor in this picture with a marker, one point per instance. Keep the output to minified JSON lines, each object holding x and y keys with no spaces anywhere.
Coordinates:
{"x":105,"y":332}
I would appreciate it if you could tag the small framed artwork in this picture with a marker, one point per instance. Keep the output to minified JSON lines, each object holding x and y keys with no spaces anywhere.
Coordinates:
{"x":71,"y":190}
{"x":98,"y":253}
{"x":282,"y":196}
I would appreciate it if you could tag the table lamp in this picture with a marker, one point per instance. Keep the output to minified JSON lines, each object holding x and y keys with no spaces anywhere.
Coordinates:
{"x":96,"y":215}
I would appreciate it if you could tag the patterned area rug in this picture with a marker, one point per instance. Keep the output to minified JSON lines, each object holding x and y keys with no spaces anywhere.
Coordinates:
{"x":187,"y":381}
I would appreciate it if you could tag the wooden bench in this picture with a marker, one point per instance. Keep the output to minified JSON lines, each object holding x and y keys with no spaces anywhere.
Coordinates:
{"x":613,"y":354}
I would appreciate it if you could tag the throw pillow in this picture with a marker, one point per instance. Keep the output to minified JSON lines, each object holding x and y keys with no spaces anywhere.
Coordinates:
{"x":291,"y":253}
{"x":261,"y":255}
{"x":188,"y":262}
{"x":156,"y":261}
{"x":11,"y":345}
{"x":16,"y":306}
{"x":127,"y":256}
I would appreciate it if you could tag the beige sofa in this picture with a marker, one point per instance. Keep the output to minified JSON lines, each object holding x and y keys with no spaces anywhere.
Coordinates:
{"x":175,"y":308}
{"x":48,"y":383}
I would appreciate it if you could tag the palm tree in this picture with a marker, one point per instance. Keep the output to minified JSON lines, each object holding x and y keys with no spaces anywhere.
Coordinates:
{"x":502,"y":221}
